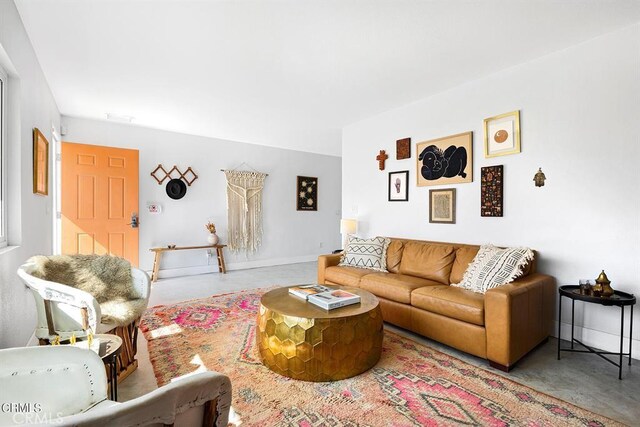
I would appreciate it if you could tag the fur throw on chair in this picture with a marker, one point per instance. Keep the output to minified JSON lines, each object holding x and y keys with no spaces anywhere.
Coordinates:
{"x":106,"y":278}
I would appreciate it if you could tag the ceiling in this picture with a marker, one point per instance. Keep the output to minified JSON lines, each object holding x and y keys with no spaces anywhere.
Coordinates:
{"x":288,"y":73}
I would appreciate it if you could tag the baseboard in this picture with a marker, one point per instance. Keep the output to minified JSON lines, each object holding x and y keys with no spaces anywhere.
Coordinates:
{"x":213,"y":268}
{"x":598,"y":339}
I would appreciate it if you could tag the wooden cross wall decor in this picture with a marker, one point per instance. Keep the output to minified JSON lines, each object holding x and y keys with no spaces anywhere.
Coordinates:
{"x":381,"y":158}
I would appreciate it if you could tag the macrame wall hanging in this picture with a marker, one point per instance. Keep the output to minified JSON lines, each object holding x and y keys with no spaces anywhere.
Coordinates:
{"x":244,"y":210}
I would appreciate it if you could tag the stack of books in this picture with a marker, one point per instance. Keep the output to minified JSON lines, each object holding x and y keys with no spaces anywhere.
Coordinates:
{"x":324,"y":297}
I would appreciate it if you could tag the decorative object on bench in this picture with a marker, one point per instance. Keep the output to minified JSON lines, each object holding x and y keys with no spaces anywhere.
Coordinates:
{"x":539,"y":178}
{"x":158,"y":256}
{"x":447,"y":160}
{"x":69,"y":385}
{"x":40,"y":163}
{"x":442,"y":206}
{"x":381,"y":158}
{"x":348,"y":226}
{"x":491,"y":182}
{"x":501,"y":325}
{"x":77,"y":294}
{"x":399,"y":186}
{"x":493,"y":267}
{"x":618,"y":299}
{"x":403,"y":149}
{"x":160,"y":174}
{"x":244,"y":209}
{"x":212,"y":238}
{"x":307,"y":193}
{"x":502,"y":134}
{"x":366,"y":253}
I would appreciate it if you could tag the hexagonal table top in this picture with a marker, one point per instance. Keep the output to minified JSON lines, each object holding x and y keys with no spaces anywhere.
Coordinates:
{"x":302,"y":341}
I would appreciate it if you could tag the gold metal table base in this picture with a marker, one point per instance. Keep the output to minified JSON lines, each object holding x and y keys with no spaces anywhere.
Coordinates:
{"x":301,"y":341}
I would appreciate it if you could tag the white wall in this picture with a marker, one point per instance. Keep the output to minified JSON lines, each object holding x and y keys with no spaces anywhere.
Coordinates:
{"x":580,"y":117}
{"x":289,"y":235}
{"x":31,"y":104}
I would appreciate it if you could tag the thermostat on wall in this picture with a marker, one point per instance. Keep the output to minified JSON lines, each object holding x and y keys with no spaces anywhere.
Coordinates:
{"x":154,"y":208}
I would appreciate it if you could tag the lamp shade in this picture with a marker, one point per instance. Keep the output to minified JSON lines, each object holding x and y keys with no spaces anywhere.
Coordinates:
{"x":348,"y":226}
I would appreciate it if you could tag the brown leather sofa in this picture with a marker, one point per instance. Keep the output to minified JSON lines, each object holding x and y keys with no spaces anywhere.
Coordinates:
{"x":501,"y":325}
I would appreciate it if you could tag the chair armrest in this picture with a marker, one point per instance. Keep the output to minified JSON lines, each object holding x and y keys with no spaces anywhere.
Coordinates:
{"x":61,"y":379}
{"x":175,"y":403}
{"x":141,"y":282}
{"x":518,"y":317}
{"x":44,"y":290}
{"x":325,"y":261}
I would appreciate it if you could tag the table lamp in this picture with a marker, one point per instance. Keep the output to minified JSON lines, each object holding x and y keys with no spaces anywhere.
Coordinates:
{"x":347,"y":227}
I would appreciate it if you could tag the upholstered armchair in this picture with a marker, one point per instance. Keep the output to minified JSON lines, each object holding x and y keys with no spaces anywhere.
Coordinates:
{"x":67,"y":386}
{"x":64,"y":311}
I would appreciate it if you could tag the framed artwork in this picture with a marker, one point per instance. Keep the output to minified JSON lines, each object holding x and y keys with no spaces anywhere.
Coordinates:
{"x":447,"y":160}
{"x":442,"y":206}
{"x":403,"y":149}
{"x":40,"y":163}
{"x":491,"y":190}
{"x":307,"y":193}
{"x":502,"y":134}
{"x":398,"y":186}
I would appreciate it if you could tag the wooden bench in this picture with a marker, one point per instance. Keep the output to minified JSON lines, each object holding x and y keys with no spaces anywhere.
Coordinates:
{"x":159,"y":251}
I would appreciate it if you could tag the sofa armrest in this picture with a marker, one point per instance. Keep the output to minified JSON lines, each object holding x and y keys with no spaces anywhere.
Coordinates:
{"x":325,"y":261}
{"x":518,"y":317}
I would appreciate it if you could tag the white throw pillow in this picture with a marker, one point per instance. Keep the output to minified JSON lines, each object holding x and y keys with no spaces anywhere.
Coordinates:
{"x":366,"y":253}
{"x":493,"y":266}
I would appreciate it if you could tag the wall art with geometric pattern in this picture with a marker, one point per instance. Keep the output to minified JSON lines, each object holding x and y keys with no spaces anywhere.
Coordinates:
{"x":491,"y":181}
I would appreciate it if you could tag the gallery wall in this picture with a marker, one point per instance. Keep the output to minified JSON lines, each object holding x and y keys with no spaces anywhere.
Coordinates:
{"x":30,"y":104}
{"x":289,"y":235}
{"x":579,"y":115}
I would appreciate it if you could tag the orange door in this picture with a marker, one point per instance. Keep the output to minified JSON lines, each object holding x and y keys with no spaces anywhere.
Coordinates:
{"x":99,"y":197}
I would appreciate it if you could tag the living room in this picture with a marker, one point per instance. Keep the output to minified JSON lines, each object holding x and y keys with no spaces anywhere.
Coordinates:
{"x":303,"y":97}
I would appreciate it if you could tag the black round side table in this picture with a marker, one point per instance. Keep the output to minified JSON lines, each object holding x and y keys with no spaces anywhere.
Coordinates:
{"x":619,"y":299}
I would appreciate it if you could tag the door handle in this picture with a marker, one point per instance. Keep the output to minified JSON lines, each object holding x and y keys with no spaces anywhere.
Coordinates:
{"x":135,"y":222}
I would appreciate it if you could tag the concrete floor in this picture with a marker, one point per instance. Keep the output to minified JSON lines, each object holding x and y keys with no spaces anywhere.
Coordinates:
{"x":582,"y":379}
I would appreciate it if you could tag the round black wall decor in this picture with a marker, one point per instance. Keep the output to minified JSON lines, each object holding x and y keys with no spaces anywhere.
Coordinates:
{"x":176,"y":189}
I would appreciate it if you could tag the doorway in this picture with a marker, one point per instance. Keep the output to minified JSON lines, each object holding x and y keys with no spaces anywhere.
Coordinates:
{"x":99,"y":201}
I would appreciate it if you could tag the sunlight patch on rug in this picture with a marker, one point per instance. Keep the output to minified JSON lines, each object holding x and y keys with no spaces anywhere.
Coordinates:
{"x":412,"y":384}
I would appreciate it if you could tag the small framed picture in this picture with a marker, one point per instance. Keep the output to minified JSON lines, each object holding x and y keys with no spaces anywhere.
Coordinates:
{"x":398,"y":188}
{"x":307,"y":193}
{"x":502,"y":134}
{"x":442,"y":206}
{"x":40,"y":163}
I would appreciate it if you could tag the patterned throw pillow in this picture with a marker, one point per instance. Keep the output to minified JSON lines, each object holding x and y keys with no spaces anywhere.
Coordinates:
{"x":493,"y":266}
{"x":366,"y":253}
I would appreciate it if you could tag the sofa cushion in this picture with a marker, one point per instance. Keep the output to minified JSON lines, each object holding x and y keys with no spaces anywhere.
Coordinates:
{"x":493,"y":267}
{"x":395,"y":287}
{"x":394,"y":255}
{"x":348,"y":276}
{"x":464,"y":256}
{"x":366,"y":253}
{"x":428,"y":261}
{"x":456,"y":303}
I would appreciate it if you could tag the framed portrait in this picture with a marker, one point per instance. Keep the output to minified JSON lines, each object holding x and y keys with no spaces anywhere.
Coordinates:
{"x":398,"y":186}
{"x":445,"y":161}
{"x":40,"y":163}
{"x":502,"y":134}
{"x":491,"y":181}
{"x":442,"y":206}
{"x":307,"y":193}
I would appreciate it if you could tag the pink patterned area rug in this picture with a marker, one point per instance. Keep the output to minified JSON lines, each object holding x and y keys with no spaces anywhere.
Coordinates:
{"x":412,"y":384}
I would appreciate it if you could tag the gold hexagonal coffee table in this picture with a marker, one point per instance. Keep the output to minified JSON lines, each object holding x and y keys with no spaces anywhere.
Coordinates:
{"x":299,"y":340}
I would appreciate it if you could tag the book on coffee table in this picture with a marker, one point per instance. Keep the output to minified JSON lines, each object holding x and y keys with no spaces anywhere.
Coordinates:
{"x":334,"y":299}
{"x":304,"y":291}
